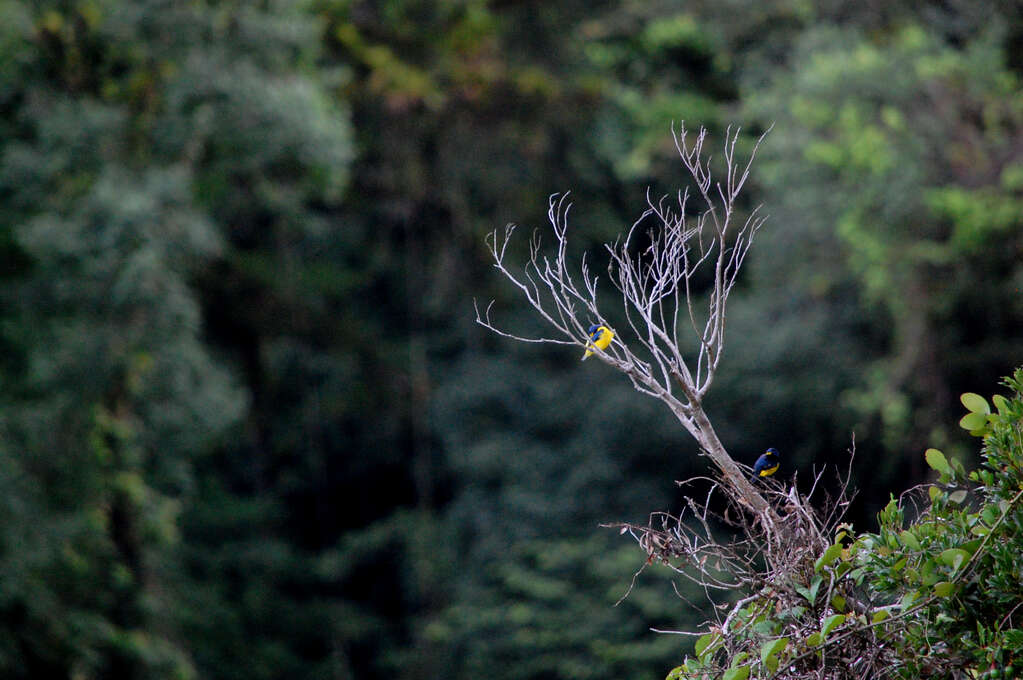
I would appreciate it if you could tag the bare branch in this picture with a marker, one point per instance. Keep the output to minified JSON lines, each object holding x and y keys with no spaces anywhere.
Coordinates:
{"x":654,"y":267}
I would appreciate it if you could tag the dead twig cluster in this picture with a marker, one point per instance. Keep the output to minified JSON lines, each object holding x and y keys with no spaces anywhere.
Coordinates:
{"x":752,"y":573}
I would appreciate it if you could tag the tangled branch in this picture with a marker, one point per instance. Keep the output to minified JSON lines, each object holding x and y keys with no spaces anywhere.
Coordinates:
{"x":753,"y":572}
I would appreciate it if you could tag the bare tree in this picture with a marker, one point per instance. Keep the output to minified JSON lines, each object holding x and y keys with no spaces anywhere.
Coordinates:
{"x":654,"y":267}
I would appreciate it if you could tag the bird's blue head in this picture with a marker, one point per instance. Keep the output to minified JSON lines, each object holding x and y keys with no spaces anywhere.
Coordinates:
{"x":772,"y":452}
{"x":593,"y":328}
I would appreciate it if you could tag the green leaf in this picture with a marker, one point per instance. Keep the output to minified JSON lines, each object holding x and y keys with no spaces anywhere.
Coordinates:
{"x":933,"y":492}
{"x":770,"y":650}
{"x":943,"y":588}
{"x":930,"y":574}
{"x":814,"y":639}
{"x":707,"y":641}
{"x":793,"y":613}
{"x":1000,"y":403}
{"x":675,"y":673}
{"x":838,"y":602}
{"x":740,"y":673}
{"x":810,"y":593}
{"x":957,"y":496}
{"x":936,"y":459}
{"x":954,"y":557}
{"x":830,"y":555}
{"x":973,"y":421}
{"x":880,"y":615}
{"x":908,"y":599}
{"x":975,"y":403}
{"x":909,"y":540}
{"x":970,"y":547}
{"x":831,"y":623}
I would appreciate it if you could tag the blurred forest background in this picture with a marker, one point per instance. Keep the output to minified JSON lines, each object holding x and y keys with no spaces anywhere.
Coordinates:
{"x":249,"y":428}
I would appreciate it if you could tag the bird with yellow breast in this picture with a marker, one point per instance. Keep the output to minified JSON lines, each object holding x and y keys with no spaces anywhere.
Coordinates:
{"x":600,"y":338}
{"x":767,"y":464}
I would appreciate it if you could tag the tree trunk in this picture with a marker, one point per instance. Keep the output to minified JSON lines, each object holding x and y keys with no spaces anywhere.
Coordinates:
{"x":745,"y":492}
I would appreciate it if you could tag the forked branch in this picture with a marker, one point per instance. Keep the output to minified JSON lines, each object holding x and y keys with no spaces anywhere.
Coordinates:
{"x":673,"y":336}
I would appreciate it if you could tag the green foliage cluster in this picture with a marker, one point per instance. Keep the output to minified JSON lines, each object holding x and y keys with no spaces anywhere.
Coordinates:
{"x":939,"y":596}
{"x":894,"y":166}
{"x":140,"y":139}
{"x":589,"y":637}
{"x":954,"y":572}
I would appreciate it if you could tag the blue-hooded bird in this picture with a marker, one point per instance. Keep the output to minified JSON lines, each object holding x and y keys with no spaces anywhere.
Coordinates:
{"x":767,"y":464}
{"x":600,"y":337}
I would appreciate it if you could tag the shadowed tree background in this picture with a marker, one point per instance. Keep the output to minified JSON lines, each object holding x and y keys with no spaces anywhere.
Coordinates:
{"x":248,"y":426}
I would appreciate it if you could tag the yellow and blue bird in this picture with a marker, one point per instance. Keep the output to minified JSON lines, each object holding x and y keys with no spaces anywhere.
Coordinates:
{"x":600,"y":337}
{"x":767,"y":464}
